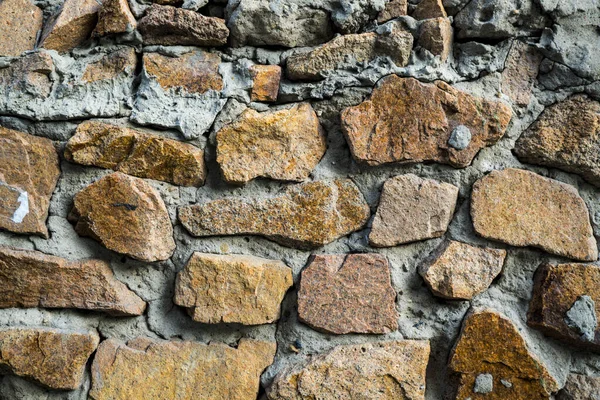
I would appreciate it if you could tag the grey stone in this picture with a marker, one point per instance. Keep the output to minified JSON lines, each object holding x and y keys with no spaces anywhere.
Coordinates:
{"x":484,"y":384}
{"x":506,"y":383}
{"x":460,"y":137}
{"x":582,"y":318}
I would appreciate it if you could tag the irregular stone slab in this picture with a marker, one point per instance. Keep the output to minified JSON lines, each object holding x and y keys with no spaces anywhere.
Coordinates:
{"x":565,"y":136}
{"x":306,"y":216}
{"x":406,"y":121}
{"x":427,"y":9}
{"x":157,"y":369}
{"x":376,"y":370}
{"x":169,"y":26}
{"x":232,"y":288}
{"x":71,"y":26}
{"x":520,"y":72}
{"x":566,"y":303}
{"x":20,"y":22}
{"x":126,"y":215}
{"x":285,"y":145}
{"x":489,"y":343}
{"x":29,"y":171}
{"x":110,"y":66}
{"x":580,"y":387}
{"x":265,"y":82}
{"x":412,"y":209}
{"x":115,"y":17}
{"x":522,"y":208}
{"x":435,"y":35}
{"x":459,"y":271}
{"x":349,"y":293}
{"x":33,"y":279}
{"x":53,"y":358}
{"x":393,"y":9}
{"x":136,"y":153}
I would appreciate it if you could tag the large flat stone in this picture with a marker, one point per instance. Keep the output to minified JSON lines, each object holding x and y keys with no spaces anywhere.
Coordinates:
{"x":71,"y":26}
{"x":20,"y":22}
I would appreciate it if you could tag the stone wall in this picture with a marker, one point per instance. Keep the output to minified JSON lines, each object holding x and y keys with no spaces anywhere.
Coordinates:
{"x":298,"y":199}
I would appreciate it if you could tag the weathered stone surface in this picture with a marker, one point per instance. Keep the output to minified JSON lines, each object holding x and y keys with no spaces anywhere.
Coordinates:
{"x":20,"y":22}
{"x":111,"y":66}
{"x":29,"y":172}
{"x":408,"y":121}
{"x":412,"y":209}
{"x":72,"y":26}
{"x":580,"y":387}
{"x":33,"y":279}
{"x":115,"y":17}
{"x":435,"y":35}
{"x":558,"y":306}
{"x":489,"y":343}
{"x":459,"y":271}
{"x":265,"y":82}
{"x":232,"y":288}
{"x":53,"y":358}
{"x":169,"y":26}
{"x":286,"y":145}
{"x":307,"y":215}
{"x":565,"y":136}
{"x":393,"y":9}
{"x":376,"y":370}
{"x":156,"y":370}
{"x":126,"y":215}
{"x":520,"y":71}
{"x":522,"y":208}
{"x":349,"y":293}
{"x":427,"y":9}
{"x":136,"y":153}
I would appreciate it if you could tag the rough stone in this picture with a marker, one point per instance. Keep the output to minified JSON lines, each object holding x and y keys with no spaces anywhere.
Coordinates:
{"x":232,"y":288}
{"x":136,"y":153}
{"x":126,"y":215}
{"x":435,"y":35}
{"x":53,"y":358}
{"x":20,"y":22}
{"x":348,"y":293}
{"x":427,"y":9}
{"x":408,"y":121}
{"x":393,"y":9}
{"x":265,"y":82}
{"x":459,"y":271}
{"x":111,"y":66}
{"x":582,"y":317}
{"x":72,"y":26}
{"x":520,"y":72}
{"x":115,"y":17}
{"x":285,"y":145}
{"x":580,"y":387}
{"x":484,"y":384}
{"x":155,"y":370}
{"x":489,"y":343}
{"x":29,"y":172}
{"x":565,"y":136}
{"x":522,"y":208}
{"x":412,"y":209}
{"x":376,"y":370}
{"x":306,"y":216}
{"x":460,"y":137}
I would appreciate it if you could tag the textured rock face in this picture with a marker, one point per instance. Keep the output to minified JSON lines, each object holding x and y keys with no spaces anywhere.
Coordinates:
{"x":72,"y":26}
{"x":115,"y":17}
{"x":136,"y":153}
{"x":435,"y":35}
{"x":489,"y":343}
{"x":53,"y":358}
{"x":393,"y":9}
{"x":408,"y":121}
{"x":459,"y":271}
{"x":412,"y":209}
{"x":34,"y":279}
{"x":126,"y":215}
{"x":232,"y":288}
{"x":265,"y":82}
{"x":20,"y":22}
{"x":348,"y":294}
{"x":520,"y":71}
{"x":111,"y":66}
{"x":427,"y":9}
{"x":558,"y":307}
{"x":580,"y":387}
{"x":157,"y":370}
{"x":565,"y":136}
{"x":28,"y":175}
{"x":521,"y":208}
{"x":381,"y":370}
{"x":306,"y":216}
{"x":284,"y":145}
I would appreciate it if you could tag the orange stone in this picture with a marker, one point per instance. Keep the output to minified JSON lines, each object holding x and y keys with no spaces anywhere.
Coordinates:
{"x":427,"y":9}
{"x":393,"y":9}
{"x":111,"y":66}
{"x":435,"y":35}
{"x":72,"y":26}
{"x":20,"y":22}
{"x":265,"y":82}
{"x":115,"y":17}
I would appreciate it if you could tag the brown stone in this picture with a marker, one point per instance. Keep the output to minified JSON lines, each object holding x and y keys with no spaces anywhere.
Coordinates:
{"x":412,"y":209}
{"x":407,"y":121}
{"x":156,"y":370}
{"x":377,"y":370}
{"x":53,"y":358}
{"x":580,"y":387}
{"x":565,"y":136}
{"x":490,"y":344}
{"x":436,"y":36}
{"x":349,"y":293}
{"x":136,"y":153}
{"x":232,"y":288}
{"x":29,"y":172}
{"x":393,"y":9}
{"x":427,"y":9}
{"x":306,"y":216}
{"x":265,"y":82}
{"x":111,"y":66}
{"x":285,"y":145}
{"x":556,"y":290}
{"x":196,"y":72}
{"x":126,"y":215}
{"x":522,"y":208}
{"x":115,"y":17}
{"x":33,"y":279}
{"x":520,"y":72}
{"x":20,"y":22}
{"x":459,"y":271}
{"x":167,"y":25}
{"x":72,"y":26}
